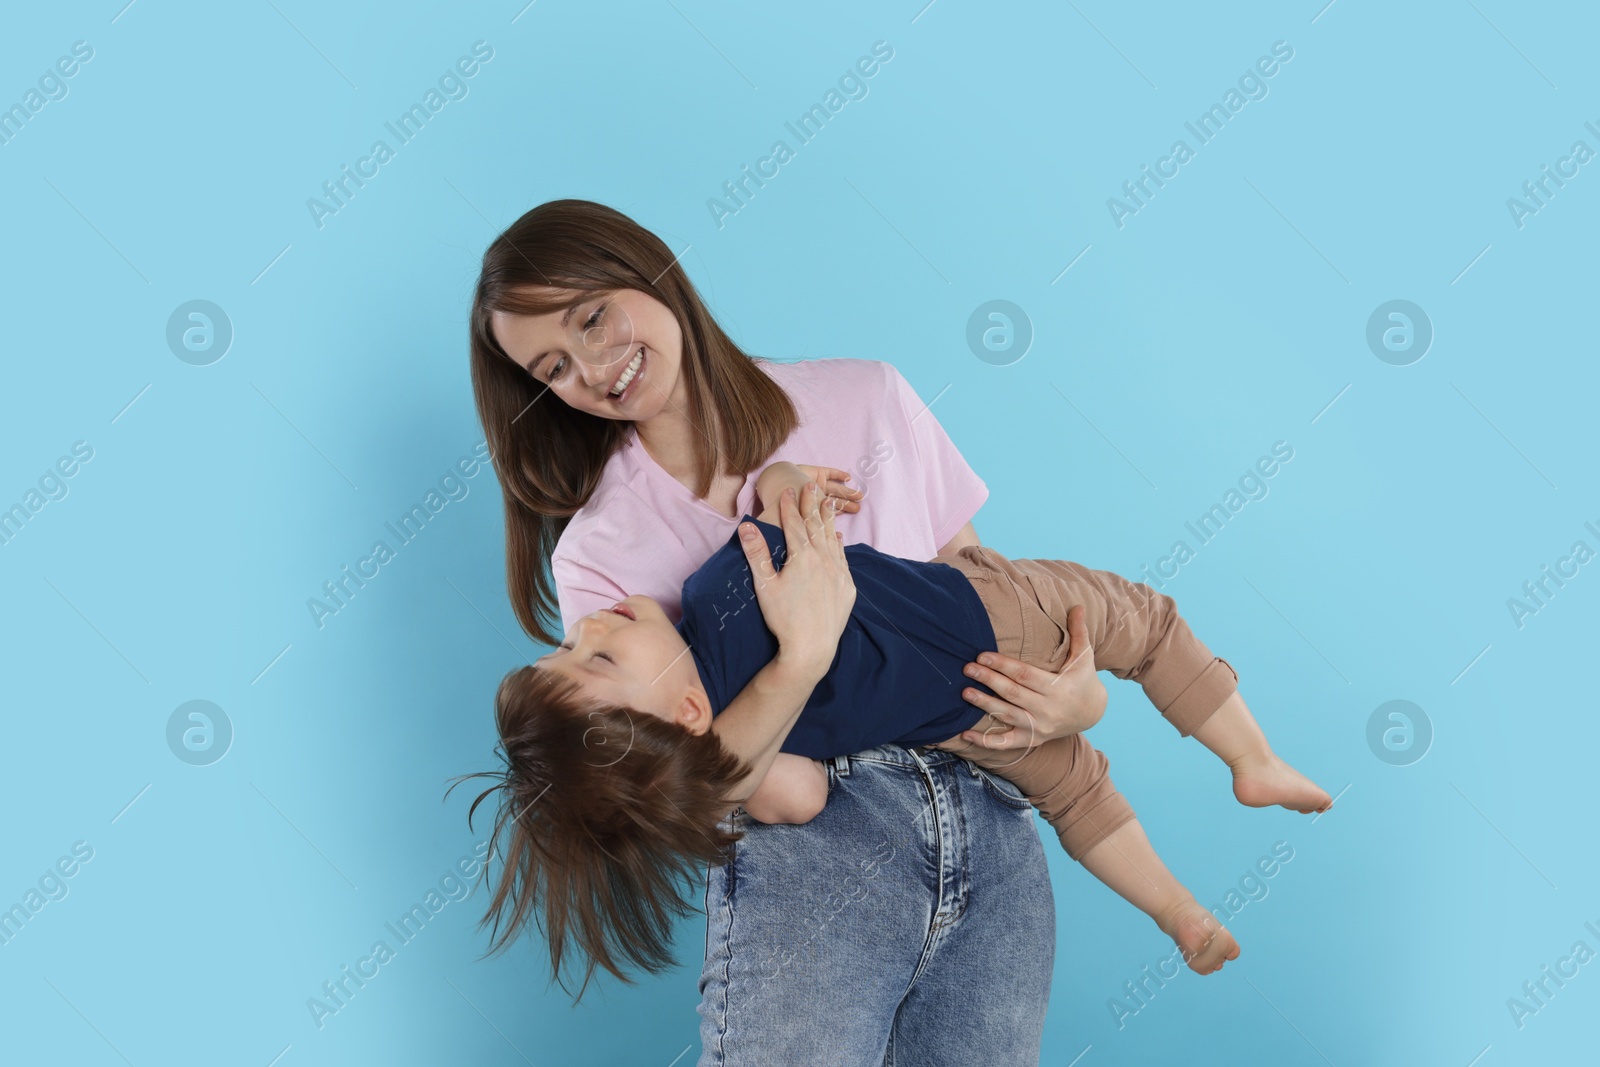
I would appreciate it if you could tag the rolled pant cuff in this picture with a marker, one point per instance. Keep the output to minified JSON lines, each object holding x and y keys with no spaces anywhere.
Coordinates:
{"x":1199,"y":701}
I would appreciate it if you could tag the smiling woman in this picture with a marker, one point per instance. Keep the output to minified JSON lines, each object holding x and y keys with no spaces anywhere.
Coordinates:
{"x":596,"y":352}
{"x":544,"y":365}
{"x":628,"y":428}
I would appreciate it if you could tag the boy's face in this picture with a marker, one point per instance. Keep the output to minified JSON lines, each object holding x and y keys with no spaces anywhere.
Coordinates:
{"x":631,"y":654}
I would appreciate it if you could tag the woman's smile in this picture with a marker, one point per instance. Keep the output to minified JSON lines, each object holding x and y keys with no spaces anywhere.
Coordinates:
{"x":623,"y":386}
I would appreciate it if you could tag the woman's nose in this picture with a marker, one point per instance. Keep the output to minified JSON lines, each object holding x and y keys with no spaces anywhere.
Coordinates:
{"x":592,"y":366}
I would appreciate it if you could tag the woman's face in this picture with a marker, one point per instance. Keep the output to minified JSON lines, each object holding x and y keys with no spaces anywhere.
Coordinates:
{"x":613,"y":354}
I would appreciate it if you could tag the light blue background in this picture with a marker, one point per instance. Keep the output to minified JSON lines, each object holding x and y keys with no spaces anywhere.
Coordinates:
{"x":1226,"y":315}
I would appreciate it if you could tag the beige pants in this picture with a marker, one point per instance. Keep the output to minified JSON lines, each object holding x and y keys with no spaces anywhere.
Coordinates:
{"x":1135,"y":633}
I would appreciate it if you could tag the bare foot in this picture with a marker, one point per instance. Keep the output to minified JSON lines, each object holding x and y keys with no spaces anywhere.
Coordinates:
{"x":1262,"y":781}
{"x":1205,"y":942}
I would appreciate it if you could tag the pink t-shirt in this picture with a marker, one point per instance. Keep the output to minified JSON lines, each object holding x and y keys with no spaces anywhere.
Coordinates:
{"x":643,"y":531}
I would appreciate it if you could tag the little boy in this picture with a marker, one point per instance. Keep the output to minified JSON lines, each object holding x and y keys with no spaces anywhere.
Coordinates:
{"x":614,"y":740}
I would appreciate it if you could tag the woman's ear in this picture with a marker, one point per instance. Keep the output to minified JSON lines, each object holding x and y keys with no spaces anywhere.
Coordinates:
{"x":694,"y":710}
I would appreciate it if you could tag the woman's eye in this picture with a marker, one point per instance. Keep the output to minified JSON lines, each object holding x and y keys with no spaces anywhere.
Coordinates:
{"x":594,"y":317}
{"x":556,"y":368}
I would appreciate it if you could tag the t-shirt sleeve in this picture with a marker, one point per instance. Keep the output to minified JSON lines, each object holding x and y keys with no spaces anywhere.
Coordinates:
{"x":580,"y":589}
{"x":953,"y":490}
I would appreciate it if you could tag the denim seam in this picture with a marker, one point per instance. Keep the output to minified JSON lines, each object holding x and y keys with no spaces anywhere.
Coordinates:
{"x":730,"y":879}
{"x":934,"y":758}
{"x":992,"y":784}
{"x":936,"y":925}
{"x":963,"y":891}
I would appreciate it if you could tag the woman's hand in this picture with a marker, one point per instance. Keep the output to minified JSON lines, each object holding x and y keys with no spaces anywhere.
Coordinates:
{"x":783,"y":475}
{"x":807,"y":603}
{"x":1034,"y":704}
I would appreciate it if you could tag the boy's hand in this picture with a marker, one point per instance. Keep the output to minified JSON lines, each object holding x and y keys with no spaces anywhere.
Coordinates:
{"x":784,"y":475}
{"x":832,"y":481}
{"x":808,"y":602}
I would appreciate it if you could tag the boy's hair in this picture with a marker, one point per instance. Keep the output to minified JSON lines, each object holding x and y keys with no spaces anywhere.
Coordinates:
{"x":607,"y":815}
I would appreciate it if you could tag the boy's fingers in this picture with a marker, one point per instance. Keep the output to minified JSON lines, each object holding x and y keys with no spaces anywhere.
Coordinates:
{"x":831,"y":474}
{"x":841,"y":479}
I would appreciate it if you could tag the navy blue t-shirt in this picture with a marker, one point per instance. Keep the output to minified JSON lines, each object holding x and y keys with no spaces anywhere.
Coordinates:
{"x":897,"y":677}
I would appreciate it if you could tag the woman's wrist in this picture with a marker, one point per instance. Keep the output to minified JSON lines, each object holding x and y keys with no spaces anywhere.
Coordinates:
{"x":801,"y":667}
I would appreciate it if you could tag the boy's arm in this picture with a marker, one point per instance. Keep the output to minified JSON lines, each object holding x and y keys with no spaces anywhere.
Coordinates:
{"x":806,"y":606}
{"x":756,"y":722}
{"x":794,"y":791}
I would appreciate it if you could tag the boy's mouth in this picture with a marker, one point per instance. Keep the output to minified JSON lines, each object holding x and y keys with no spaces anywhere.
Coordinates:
{"x":625,"y":611}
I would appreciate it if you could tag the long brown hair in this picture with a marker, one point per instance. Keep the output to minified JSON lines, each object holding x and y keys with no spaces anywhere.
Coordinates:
{"x":549,"y":456}
{"x":605,"y":816}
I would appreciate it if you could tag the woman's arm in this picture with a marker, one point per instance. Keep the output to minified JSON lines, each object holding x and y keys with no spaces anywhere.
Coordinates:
{"x":1048,"y":705}
{"x":964,"y":537}
{"x":1138,"y":634}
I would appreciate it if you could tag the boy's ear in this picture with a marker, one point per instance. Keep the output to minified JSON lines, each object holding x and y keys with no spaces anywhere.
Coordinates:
{"x":694,"y":710}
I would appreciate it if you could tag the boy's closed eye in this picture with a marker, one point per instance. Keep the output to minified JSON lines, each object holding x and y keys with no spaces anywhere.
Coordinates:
{"x":593,"y":655}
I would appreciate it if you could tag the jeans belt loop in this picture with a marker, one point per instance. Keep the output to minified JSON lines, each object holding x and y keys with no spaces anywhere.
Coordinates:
{"x":841,"y":765}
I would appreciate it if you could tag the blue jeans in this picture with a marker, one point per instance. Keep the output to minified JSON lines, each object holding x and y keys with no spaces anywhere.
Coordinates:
{"x":911,"y":924}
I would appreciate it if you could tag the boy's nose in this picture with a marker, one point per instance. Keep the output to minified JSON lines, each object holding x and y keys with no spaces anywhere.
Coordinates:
{"x":593,"y":624}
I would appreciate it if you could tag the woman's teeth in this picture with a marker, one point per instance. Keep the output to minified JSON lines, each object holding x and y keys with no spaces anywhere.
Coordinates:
{"x":628,"y":373}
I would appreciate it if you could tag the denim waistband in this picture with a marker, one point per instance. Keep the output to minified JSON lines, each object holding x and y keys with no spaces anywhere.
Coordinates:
{"x":895,"y":755}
